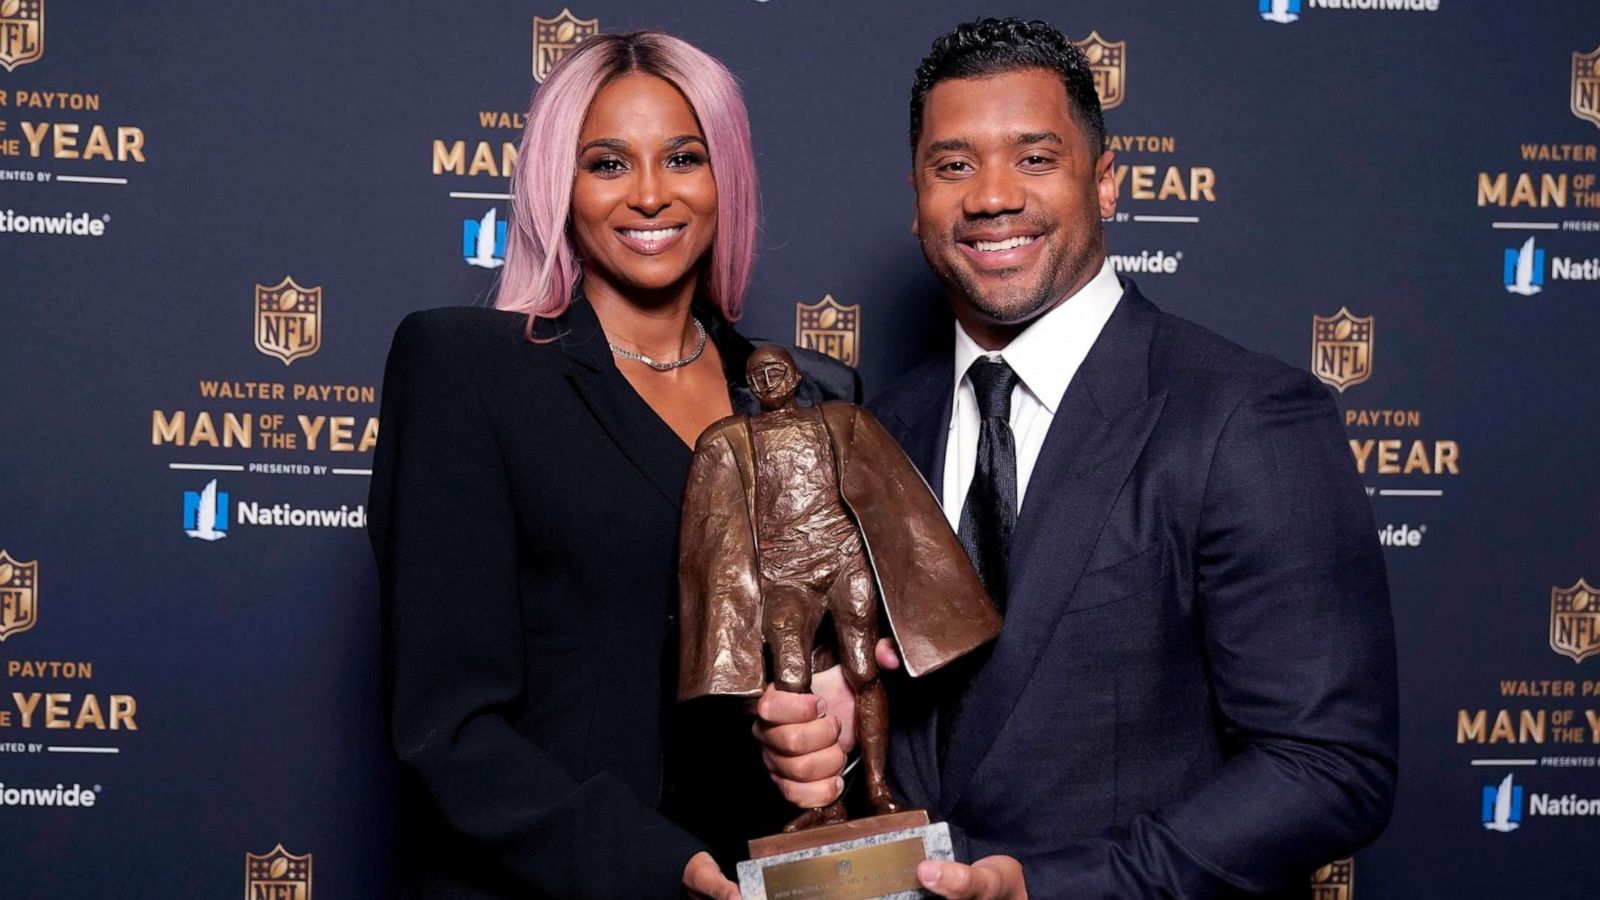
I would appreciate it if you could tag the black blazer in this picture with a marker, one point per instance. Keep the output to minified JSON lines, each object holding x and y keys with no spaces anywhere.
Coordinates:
{"x":524,"y":513}
{"x":1194,"y":693}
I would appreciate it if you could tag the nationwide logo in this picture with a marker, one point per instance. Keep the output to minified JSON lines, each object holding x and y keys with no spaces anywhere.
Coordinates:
{"x":1108,"y":63}
{"x":60,"y":795}
{"x":288,"y":320}
{"x":1502,"y":806}
{"x":483,"y":241}
{"x":1286,"y":11}
{"x":1575,"y":621}
{"x":1334,"y":881}
{"x":1281,"y":11}
{"x":279,"y":875}
{"x":19,"y":595}
{"x":1145,"y":262}
{"x":1586,"y":86}
{"x":1401,"y":535}
{"x":69,"y":224}
{"x":1341,"y":349}
{"x":829,"y":327}
{"x":21,"y":32}
{"x":555,"y":38}
{"x":1523,"y":271}
{"x":205,"y":513}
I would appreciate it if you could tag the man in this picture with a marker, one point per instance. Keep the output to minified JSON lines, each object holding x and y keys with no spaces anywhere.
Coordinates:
{"x":802,"y":512}
{"x":1194,"y":691}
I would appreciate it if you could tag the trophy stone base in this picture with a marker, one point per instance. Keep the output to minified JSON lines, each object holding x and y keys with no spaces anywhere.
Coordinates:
{"x":863,"y":859}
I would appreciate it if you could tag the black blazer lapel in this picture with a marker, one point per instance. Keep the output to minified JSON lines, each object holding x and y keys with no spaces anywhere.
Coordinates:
{"x":1097,"y":435}
{"x":924,"y":432}
{"x":653,"y":447}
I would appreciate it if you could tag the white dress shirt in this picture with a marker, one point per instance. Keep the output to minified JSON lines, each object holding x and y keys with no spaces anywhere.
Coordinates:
{"x":1045,"y":356}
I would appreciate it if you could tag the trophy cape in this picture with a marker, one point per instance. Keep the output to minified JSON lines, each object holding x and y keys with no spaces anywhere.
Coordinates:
{"x":935,"y":605}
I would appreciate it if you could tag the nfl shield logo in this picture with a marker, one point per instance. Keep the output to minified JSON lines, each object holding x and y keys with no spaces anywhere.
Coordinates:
{"x":288,"y":320}
{"x":1334,"y":881}
{"x":1108,"y":63}
{"x":555,"y":38}
{"x":1575,"y":621}
{"x":21,"y":32}
{"x":19,"y":595}
{"x":1341,"y":349}
{"x":1586,"y":86}
{"x":279,"y":875}
{"x":827,"y":327}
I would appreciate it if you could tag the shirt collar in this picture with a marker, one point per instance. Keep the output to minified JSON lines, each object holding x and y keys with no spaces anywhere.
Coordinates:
{"x":1048,"y":352}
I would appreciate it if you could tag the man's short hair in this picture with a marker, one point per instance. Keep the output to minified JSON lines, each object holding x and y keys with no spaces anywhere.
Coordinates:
{"x":990,"y":46}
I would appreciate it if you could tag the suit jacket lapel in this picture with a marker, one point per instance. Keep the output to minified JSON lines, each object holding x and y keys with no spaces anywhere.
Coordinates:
{"x":1097,"y":435}
{"x":653,"y":447}
{"x":926,"y":434}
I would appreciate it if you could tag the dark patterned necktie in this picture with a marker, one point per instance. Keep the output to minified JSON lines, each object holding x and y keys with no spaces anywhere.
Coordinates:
{"x":988,"y":517}
{"x":990,"y":513}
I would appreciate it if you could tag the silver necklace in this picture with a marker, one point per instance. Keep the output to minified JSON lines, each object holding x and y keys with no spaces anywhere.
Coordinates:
{"x":666,"y":366}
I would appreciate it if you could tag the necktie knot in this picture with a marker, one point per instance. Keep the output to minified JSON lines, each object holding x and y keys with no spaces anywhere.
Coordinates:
{"x":992,"y":381}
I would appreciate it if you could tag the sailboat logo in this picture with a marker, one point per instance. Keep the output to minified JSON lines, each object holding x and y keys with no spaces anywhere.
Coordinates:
{"x":1502,"y":806}
{"x":1524,"y":269}
{"x":483,"y":241}
{"x":205,"y":513}
{"x":1281,"y":11}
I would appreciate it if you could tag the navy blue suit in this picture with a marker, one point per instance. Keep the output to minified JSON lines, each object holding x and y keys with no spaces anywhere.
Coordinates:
{"x":1194,"y":693}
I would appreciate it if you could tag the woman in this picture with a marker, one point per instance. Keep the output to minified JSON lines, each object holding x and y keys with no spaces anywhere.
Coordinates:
{"x":525,"y":495}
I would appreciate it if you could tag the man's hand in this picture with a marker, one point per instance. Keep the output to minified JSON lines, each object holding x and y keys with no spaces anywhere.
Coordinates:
{"x":702,"y":879}
{"x":806,"y":738}
{"x":990,"y":878}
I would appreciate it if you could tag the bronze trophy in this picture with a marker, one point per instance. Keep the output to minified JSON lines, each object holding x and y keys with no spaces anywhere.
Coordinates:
{"x":792,"y":515}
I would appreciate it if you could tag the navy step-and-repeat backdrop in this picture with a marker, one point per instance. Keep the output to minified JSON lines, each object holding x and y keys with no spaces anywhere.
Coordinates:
{"x":212,"y":215}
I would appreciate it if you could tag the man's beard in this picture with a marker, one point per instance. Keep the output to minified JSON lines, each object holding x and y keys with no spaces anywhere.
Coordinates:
{"x":1005,"y":300}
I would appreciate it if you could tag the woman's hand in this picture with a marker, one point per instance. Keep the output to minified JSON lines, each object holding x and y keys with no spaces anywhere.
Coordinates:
{"x":806,"y":738}
{"x":703,"y":879}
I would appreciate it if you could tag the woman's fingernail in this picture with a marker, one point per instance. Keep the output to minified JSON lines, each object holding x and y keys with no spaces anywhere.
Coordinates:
{"x":822,"y":707}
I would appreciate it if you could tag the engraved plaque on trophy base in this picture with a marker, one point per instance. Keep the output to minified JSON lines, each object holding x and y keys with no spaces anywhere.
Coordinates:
{"x":862,"y":859}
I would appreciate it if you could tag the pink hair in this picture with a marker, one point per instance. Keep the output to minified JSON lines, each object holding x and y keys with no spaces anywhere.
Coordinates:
{"x":541,"y":260}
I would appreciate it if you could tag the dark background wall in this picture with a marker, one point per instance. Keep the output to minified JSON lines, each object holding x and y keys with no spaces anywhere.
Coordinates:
{"x":297,"y":140}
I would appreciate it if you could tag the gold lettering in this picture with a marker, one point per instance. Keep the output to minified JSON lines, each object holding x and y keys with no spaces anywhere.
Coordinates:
{"x":1469,"y":729}
{"x":89,"y":714}
{"x":130,"y":143}
{"x":1172,"y":185}
{"x":1446,"y":457}
{"x":311,"y":428}
{"x":204,"y":430}
{"x":1417,"y":459}
{"x":26,"y":704}
{"x":98,"y":145}
{"x":34,"y":135}
{"x":164,"y":430}
{"x":1531,"y":727}
{"x":235,"y":430}
{"x":1502,"y":729}
{"x":66,"y":143}
{"x":339,"y":431}
{"x":1361,"y":450}
{"x":369,"y":436}
{"x":1388,"y":457}
{"x":123,"y":709}
{"x":55,"y":710}
{"x":450,"y":158}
